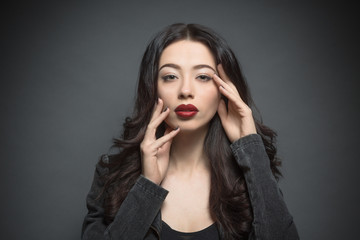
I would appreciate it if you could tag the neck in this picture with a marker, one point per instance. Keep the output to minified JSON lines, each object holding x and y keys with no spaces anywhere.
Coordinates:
{"x":187,"y":152}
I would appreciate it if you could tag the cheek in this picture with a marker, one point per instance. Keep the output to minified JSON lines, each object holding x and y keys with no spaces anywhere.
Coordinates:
{"x":161,"y":93}
{"x":214,"y":96}
{"x":164,"y":97}
{"x":211,"y":98}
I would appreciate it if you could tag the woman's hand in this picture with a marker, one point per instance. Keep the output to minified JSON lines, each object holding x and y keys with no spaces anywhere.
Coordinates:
{"x":155,"y":152}
{"x":237,"y":120}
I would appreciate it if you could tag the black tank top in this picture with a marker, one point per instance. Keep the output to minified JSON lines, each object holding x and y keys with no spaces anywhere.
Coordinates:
{"x":209,"y":233}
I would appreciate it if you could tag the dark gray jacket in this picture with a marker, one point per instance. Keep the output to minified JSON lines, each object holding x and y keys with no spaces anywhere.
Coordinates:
{"x":139,"y":215}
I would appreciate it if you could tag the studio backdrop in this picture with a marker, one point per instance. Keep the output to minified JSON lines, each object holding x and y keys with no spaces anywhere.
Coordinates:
{"x":68,"y":80}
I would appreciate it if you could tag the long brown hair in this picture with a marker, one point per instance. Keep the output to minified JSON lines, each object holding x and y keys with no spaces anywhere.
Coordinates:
{"x":229,"y":199}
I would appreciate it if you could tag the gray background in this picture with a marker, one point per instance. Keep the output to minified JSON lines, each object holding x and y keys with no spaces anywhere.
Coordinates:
{"x":68,"y":77}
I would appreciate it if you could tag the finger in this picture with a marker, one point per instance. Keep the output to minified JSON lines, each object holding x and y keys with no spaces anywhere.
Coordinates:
{"x":157,"y":109}
{"x":160,"y":118}
{"x":223,"y":84}
{"x":154,"y":124}
{"x":225,"y":88}
{"x":166,"y":146}
{"x":225,"y":77}
{"x":230,"y":93}
{"x":222,"y":110}
{"x":236,"y":99}
{"x":164,"y":139}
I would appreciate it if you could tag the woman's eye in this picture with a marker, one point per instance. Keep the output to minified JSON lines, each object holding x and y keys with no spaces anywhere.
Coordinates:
{"x":169,"y":77}
{"x":204,"y":78}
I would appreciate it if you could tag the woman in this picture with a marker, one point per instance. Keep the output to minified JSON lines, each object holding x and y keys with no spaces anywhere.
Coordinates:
{"x":194,"y":163}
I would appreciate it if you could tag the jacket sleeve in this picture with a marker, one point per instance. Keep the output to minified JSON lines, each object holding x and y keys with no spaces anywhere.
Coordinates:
{"x":134,"y":216}
{"x":272,"y":219}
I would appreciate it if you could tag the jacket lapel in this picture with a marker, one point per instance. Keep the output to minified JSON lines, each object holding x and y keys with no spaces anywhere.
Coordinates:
{"x":156,"y":224}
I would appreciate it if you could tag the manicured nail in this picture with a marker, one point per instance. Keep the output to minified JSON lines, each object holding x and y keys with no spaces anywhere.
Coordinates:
{"x":177,"y":128}
{"x":165,"y":109}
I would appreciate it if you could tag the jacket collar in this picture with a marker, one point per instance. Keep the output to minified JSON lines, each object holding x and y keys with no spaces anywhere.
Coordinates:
{"x":157,"y":223}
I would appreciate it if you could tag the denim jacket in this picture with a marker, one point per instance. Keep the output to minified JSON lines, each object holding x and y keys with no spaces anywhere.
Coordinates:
{"x":139,"y":215}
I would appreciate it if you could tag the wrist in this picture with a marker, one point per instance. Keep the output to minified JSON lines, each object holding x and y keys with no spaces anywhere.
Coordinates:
{"x":152,"y":179}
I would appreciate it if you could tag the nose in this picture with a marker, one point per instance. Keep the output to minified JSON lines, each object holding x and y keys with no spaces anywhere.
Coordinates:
{"x":186,"y":89}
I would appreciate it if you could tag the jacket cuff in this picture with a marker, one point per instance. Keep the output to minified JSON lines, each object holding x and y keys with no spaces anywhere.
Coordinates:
{"x":248,"y":140}
{"x":249,"y":151}
{"x":150,"y":187}
{"x":137,"y":211}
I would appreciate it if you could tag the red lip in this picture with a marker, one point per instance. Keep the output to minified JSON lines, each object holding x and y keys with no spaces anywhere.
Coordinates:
{"x":186,"y":111}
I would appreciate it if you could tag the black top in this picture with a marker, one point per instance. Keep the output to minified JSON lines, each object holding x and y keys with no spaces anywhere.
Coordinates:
{"x":209,"y":233}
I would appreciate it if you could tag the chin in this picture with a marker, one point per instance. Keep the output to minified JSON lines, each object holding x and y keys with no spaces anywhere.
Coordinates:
{"x":189,"y":125}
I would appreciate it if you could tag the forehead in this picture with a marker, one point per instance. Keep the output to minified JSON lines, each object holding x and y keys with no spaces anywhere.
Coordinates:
{"x":187,"y":52}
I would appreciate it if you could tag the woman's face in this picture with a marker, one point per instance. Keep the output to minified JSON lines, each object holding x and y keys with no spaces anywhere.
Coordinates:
{"x":186,"y":86}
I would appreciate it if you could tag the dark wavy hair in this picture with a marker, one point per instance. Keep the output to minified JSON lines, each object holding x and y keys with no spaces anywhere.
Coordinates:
{"x":229,"y":199}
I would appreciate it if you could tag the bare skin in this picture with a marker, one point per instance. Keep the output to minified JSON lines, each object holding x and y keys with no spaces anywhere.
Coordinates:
{"x":177,"y":161}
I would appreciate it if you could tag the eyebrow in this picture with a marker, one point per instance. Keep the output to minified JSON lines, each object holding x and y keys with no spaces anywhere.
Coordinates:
{"x":195,"y":67}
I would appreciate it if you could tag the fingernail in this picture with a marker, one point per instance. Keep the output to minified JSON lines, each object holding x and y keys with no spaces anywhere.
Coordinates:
{"x":165,"y":109}
{"x":177,"y":128}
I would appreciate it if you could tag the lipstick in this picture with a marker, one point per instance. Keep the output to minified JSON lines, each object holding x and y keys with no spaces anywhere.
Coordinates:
{"x":186,"y":111}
